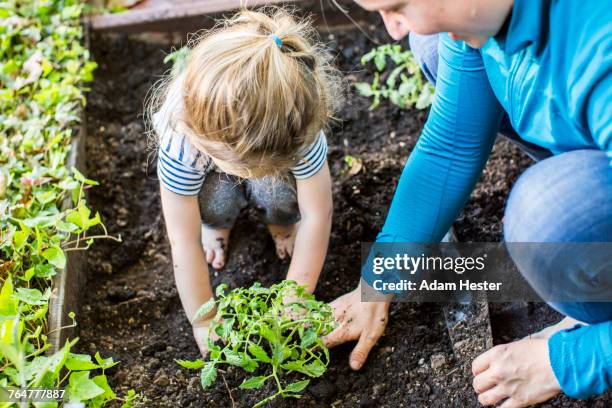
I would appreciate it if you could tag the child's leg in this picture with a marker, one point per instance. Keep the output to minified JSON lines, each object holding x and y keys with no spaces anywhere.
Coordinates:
{"x":221,"y":199}
{"x":277,"y":202}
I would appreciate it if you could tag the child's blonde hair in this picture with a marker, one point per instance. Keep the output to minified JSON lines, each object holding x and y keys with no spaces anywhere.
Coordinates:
{"x":257,"y":89}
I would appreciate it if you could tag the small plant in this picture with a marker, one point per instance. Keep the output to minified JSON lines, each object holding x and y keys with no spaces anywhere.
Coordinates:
{"x":179,"y":59}
{"x":412,"y":89}
{"x":278,"y":328}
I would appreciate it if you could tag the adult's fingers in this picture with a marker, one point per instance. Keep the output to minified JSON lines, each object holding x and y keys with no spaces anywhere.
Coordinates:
{"x":483,"y":382}
{"x":360,"y":353}
{"x":483,"y":361}
{"x":493,"y":396}
{"x":340,"y":335}
{"x":512,"y":403}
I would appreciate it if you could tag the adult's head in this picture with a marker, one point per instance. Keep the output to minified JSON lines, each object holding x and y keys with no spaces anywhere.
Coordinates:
{"x":473,"y":21}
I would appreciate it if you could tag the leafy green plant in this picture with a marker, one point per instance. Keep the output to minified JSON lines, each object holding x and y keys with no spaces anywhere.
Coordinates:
{"x":43,"y":71}
{"x":278,"y":329}
{"x":404,"y":86}
{"x":179,"y":59}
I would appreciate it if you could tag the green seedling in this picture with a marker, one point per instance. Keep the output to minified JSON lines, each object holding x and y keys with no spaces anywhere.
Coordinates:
{"x":404,"y":86}
{"x":264,"y":328}
{"x":179,"y":59}
{"x":44,"y":69}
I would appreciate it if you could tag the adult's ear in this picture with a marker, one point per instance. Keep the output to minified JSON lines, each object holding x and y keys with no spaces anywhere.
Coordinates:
{"x":396,"y":24}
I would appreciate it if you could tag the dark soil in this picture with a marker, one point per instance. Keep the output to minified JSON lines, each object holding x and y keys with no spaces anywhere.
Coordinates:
{"x":131,"y":309}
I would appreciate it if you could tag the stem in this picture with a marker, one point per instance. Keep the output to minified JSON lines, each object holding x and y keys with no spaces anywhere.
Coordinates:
{"x":117,"y":239}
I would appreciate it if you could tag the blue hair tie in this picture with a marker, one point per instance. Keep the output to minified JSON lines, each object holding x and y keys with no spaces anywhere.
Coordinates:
{"x":277,"y":40}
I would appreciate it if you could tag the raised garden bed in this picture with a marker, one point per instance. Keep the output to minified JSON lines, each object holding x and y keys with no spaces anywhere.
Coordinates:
{"x":131,"y":309}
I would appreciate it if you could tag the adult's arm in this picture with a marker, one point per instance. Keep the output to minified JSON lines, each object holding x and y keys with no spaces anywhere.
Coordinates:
{"x":451,"y":152}
{"x":436,"y":181}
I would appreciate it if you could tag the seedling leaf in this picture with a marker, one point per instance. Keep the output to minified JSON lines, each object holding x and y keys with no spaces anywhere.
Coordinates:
{"x":297,"y":386}
{"x":253,"y":382}
{"x":192,"y":365}
{"x":204,"y":310}
{"x":208,"y":374}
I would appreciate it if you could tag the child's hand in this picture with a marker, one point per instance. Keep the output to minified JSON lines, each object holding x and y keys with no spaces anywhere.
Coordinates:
{"x":201,"y":332}
{"x":292,"y":302}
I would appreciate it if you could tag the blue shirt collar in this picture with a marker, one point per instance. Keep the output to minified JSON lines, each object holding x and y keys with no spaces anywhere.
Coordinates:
{"x":528,"y":26}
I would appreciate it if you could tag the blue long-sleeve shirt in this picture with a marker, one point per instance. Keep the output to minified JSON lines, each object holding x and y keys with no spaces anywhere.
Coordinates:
{"x":551,"y":72}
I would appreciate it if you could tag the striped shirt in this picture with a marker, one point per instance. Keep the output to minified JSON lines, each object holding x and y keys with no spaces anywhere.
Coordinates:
{"x":181,"y":168}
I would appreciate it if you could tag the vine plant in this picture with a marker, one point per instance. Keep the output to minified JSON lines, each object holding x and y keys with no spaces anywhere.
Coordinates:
{"x":43,"y":71}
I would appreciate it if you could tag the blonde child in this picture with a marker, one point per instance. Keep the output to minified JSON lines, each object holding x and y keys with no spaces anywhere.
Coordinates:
{"x":242,"y":125}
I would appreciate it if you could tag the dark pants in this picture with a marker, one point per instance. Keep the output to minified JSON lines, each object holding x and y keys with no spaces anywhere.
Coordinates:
{"x":561,"y":199}
{"x":223,"y":197}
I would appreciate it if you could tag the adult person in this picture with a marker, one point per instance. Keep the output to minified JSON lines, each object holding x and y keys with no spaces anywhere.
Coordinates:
{"x":547,"y":66}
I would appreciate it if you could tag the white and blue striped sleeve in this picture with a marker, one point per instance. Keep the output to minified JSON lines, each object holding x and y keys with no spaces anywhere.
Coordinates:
{"x":313,"y":159}
{"x":180,"y":168}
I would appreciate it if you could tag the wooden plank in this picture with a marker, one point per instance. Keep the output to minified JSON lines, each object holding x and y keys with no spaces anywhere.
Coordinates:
{"x":67,"y":283}
{"x":156,"y":15}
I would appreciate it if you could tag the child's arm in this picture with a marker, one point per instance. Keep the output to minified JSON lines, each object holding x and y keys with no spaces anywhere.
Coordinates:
{"x":315,"y":201}
{"x":183,"y":223}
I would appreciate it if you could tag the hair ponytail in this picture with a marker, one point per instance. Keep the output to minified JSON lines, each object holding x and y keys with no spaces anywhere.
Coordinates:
{"x":252,"y":102}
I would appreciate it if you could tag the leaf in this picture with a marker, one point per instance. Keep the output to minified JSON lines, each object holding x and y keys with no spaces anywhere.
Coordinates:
{"x":30,"y":296}
{"x":249,"y":365}
{"x":233,"y":358}
{"x":297,"y":386}
{"x":204,"y":310}
{"x":259,"y":353}
{"x":380,"y":60}
{"x":44,"y":271}
{"x":208,"y":375}
{"x":19,"y":239}
{"x":129,"y":399}
{"x":82,"y":388}
{"x":314,"y":369}
{"x":293,"y":365}
{"x":104,"y":363}
{"x":102,"y":382}
{"x":310,"y":337}
{"x":425,"y":99}
{"x":278,"y":355}
{"x":253,"y":382}
{"x":268,"y":334}
{"x":55,"y":256}
{"x":220,"y":291}
{"x":192,"y":365}
{"x":80,"y":362}
{"x":80,"y":177}
{"x":363,"y":89}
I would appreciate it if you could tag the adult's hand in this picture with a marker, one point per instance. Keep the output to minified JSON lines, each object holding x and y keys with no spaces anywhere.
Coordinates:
{"x":357,"y":320}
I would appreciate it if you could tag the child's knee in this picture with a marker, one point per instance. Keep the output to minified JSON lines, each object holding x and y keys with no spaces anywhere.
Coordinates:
{"x":221,"y":200}
{"x":276,"y":200}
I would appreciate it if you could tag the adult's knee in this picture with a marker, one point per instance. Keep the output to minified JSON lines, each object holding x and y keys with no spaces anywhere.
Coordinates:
{"x":566,"y":198}
{"x":425,"y":51}
{"x":557,"y":213}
